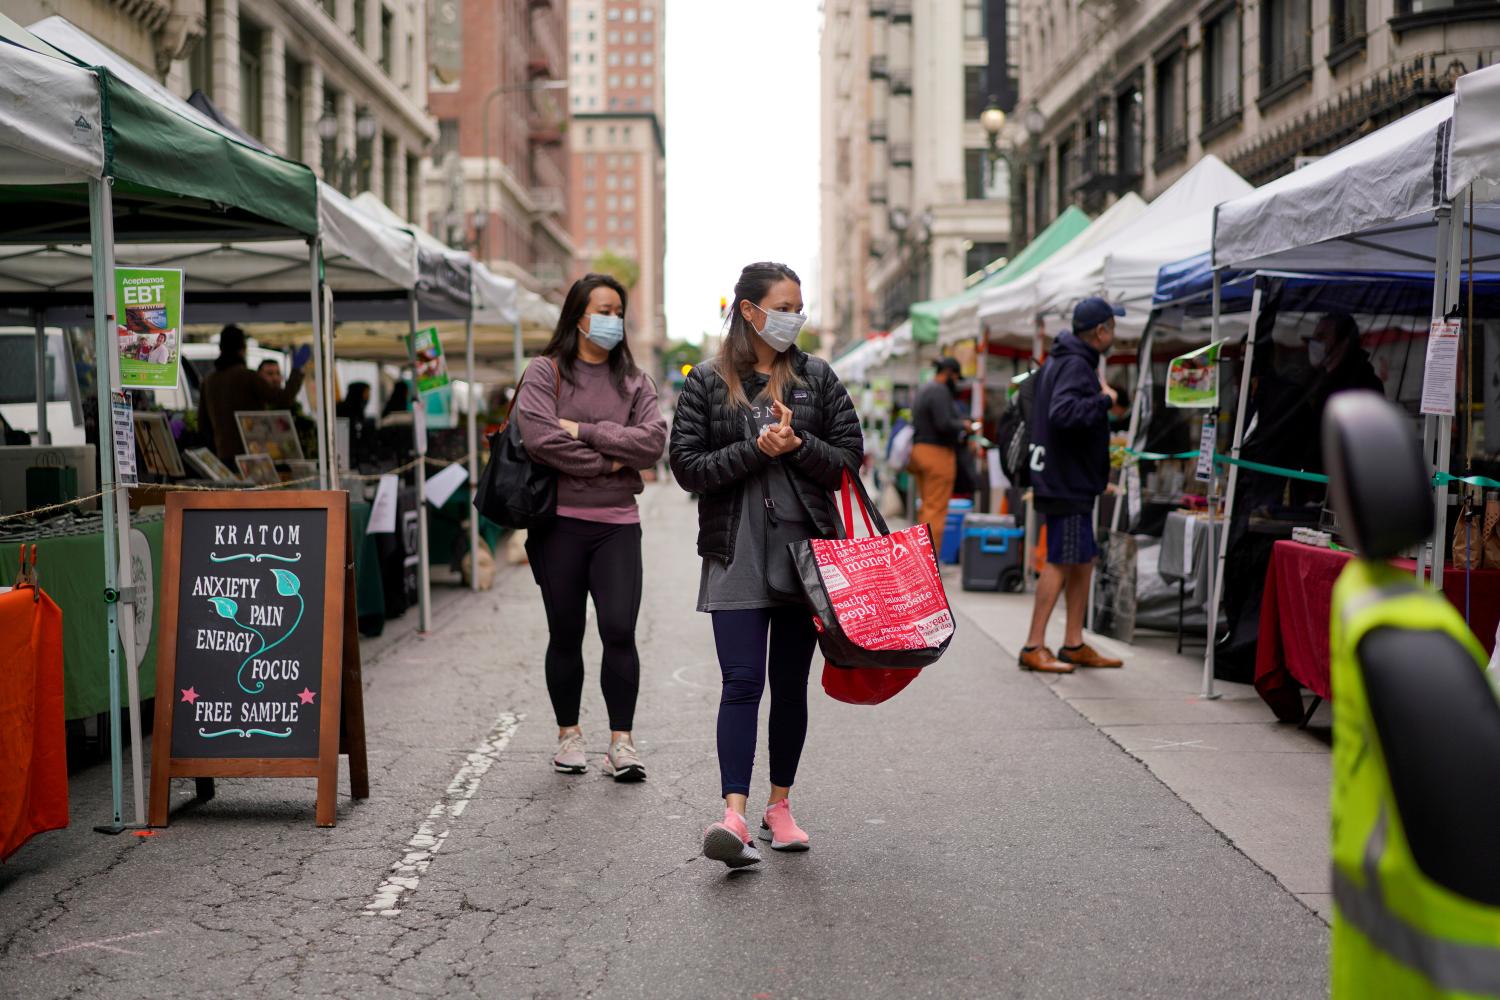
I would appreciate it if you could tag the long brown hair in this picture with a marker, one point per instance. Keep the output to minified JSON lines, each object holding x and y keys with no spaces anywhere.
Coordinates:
{"x":737,"y":354}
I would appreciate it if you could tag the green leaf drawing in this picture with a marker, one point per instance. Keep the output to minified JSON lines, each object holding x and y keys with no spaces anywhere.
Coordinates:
{"x":287,"y":584}
{"x":225,"y":607}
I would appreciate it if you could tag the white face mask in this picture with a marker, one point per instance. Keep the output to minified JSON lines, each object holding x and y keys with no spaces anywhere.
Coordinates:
{"x":781,"y":329}
{"x":1317,"y":353}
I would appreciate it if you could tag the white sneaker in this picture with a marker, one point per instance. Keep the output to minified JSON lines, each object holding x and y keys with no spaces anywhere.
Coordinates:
{"x":623,"y":763}
{"x":570,"y":758}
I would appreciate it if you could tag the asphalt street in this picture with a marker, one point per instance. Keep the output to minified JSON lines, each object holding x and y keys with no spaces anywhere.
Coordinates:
{"x":975,"y":837}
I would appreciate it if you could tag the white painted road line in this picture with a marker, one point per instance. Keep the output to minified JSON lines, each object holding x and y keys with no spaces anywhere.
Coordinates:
{"x":407,"y":873}
{"x":103,"y":945}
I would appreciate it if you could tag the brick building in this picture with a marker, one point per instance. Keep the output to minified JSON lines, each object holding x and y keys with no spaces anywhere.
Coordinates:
{"x":617,"y":201}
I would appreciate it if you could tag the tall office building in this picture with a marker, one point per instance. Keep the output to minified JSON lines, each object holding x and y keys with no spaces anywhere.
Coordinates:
{"x":617,"y":203}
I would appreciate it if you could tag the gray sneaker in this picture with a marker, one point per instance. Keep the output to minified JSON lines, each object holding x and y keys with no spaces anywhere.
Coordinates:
{"x":623,"y":762}
{"x":570,"y":758}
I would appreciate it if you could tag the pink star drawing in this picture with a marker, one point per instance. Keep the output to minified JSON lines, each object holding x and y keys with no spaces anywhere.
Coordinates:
{"x":190,"y":696}
{"x":307,"y":696}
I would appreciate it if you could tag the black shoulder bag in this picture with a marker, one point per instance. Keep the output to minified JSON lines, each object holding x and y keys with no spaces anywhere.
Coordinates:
{"x":514,"y":491}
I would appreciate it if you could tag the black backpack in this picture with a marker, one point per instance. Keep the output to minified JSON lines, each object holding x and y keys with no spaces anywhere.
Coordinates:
{"x":513,"y":491}
{"x":1014,"y":434}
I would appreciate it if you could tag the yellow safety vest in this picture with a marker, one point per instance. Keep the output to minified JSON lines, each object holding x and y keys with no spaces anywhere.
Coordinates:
{"x":1396,"y":933}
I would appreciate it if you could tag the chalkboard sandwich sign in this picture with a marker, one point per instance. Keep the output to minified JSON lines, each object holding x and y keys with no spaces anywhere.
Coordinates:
{"x":258,"y":662}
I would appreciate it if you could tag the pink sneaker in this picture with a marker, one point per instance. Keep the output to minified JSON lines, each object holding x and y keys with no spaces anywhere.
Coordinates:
{"x":729,"y":842}
{"x":781,"y":830}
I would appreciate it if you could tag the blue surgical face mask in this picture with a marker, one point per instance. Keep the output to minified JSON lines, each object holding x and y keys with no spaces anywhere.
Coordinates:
{"x":606,"y":331}
{"x":781,"y":329}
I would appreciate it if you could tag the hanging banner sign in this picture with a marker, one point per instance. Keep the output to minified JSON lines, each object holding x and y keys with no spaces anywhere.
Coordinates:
{"x":1440,"y":377}
{"x":149,"y":333}
{"x":1207,"y":443}
{"x":1193,"y":379}
{"x":427,"y":357}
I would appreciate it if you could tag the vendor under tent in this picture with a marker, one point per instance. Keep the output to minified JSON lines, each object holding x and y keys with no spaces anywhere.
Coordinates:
{"x":1011,"y":313}
{"x":75,"y":136}
{"x":1390,"y":202}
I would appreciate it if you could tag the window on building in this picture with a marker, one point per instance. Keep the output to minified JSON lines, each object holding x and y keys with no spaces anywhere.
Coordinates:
{"x":364,"y":155}
{"x":1065,"y":165}
{"x":974,"y":173}
{"x":590,"y":203}
{"x":647,"y":14}
{"x":359,"y":23}
{"x":614,"y":103}
{"x":629,"y":38}
{"x":589,"y":181}
{"x":974,"y":19}
{"x":328,"y":153}
{"x":447,"y":140}
{"x":1171,"y":105}
{"x":627,"y":222}
{"x":611,"y":223}
{"x":648,"y":59}
{"x":592,"y":15}
{"x":630,"y":15}
{"x":589,"y":160}
{"x":201,"y":66}
{"x":975,"y":99}
{"x":1347,"y":23}
{"x":613,"y":59}
{"x":612,"y":202}
{"x":413,"y":185}
{"x":614,"y":38}
{"x":295,"y":113}
{"x":1130,"y":131}
{"x":1285,"y":45}
{"x":593,"y":61}
{"x":647,"y":37}
{"x":388,"y":155}
{"x":611,"y":181}
{"x":625,"y":133}
{"x":588,"y":133}
{"x":252,"y":118}
{"x":1221,"y":68}
{"x":647,"y":80}
{"x":628,"y":182}
{"x":1043,"y":185}
{"x":614,"y":14}
{"x":387,"y":39}
{"x":646,"y":103}
{"x":982,"y":255}
{"x":590,"y":223}
{"x":630,"y":59}
{"x":614,"y":79}
{"x":577,"y":58}
{"x":630,"y":79}
{"x":628,"y":202}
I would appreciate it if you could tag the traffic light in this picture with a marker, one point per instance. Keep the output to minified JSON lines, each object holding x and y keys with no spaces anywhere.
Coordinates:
{"x":723,"y":307}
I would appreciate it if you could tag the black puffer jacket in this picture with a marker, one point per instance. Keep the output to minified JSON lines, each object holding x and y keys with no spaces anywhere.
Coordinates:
{"x":713,"y":450}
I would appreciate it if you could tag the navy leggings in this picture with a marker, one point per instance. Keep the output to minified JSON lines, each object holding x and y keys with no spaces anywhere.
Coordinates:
{"x":743,"y":639}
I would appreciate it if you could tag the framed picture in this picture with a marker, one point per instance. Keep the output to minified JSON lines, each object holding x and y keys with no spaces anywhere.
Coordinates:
{"x":258,"y":469}
{"x":269,"y":432}
{"x":155,"y":446}
{"x":209,"y":466}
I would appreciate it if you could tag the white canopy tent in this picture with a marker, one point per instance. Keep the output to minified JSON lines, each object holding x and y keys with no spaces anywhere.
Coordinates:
{"x":1010,"y":314}
{"x":1398,"y":199}
{"x":1123,"y":267}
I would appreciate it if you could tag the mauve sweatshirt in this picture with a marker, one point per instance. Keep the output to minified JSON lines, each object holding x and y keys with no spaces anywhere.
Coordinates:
{"x":614,"y":425}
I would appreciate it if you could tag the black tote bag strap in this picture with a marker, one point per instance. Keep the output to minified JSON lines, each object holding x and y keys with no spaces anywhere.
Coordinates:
{"x":853,"y":485}
{"x":556,"y":391}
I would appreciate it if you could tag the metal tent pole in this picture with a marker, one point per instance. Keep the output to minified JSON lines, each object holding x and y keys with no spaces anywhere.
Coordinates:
{"x":101,"y":231}
{"x":473,"y":426}
{"x":43,"y":437}
{"x":419,"y":434}
{"x":1449,"y":270}
{"x":1216,"y":577}
{"x":324,"y":415}
{"x":1143,"y":372}
{"x":1211,"y":627}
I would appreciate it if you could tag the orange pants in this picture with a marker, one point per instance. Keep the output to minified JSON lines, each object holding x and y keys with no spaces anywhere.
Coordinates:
{"x":935,"y":468}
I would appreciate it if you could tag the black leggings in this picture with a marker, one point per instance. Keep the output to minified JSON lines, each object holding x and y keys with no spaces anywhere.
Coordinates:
{"x":573,"y":560}
{"x":745,"y":641}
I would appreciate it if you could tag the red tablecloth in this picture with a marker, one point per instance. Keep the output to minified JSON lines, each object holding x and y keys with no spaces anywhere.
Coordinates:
{"x":33,"y":743}
{"x":1295,"y":610}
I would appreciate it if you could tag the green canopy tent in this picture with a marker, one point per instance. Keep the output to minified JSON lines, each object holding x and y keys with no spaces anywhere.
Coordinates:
{"x":86,"y":160}
{"x":953,"y":318}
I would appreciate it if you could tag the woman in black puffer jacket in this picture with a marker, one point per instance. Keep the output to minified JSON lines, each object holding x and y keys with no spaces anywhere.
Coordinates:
{"x":764,"y":434}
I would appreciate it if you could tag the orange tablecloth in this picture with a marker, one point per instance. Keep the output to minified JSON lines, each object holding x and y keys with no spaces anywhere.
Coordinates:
{"x":1295,"y":612}
{"x":33,"y":744}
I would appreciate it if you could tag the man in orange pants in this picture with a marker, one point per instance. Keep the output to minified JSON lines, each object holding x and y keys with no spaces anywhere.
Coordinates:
{"x":938,"y":434}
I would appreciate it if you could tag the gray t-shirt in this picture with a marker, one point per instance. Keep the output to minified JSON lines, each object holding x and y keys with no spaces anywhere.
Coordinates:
{"x":740,"y":584}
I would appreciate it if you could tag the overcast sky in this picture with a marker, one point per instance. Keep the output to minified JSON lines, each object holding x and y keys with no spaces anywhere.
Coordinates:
{"x":742,"y":149}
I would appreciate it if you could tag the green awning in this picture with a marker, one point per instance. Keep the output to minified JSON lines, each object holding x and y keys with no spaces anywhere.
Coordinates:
{"x":927,"y":317}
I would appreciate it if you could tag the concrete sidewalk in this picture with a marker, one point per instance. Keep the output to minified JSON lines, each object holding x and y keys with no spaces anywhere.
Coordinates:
{"x":1261,"y":783}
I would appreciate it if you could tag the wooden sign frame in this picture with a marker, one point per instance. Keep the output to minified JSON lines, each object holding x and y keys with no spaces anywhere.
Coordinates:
{"x":341,"y":710}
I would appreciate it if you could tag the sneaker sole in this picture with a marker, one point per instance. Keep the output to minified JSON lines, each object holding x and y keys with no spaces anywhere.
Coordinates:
{"x":720,"y":844}
{"x":627,"y":774}
{"x":792,"y":846}
{"x":568,"y":768}
{"x":1044,"y":670}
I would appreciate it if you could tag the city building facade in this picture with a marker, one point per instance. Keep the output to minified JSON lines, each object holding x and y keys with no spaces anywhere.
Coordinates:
{"x":617,"y":203}
{"x":340,"y":85}
{"x":1125,"y":95}
{"x":915,"y":203}
{"x":497,"y":177}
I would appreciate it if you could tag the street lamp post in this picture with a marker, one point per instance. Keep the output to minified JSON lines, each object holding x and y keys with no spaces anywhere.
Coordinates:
{"x":341,"y":170}
{"x":504,"y":88}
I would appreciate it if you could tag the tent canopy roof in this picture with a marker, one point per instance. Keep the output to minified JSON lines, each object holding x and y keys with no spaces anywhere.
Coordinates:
{"x":1475,"y":158}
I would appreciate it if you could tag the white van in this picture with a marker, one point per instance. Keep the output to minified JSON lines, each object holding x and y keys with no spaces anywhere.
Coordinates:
{"x":18,"y":384}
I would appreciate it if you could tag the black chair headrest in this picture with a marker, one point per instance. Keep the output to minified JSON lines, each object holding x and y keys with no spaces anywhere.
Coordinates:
{"x":1377,"y":479}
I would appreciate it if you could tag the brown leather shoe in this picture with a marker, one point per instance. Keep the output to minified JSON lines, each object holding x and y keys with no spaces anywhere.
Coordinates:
{"x":1041,"y":659}
{"x":1087,"y":656}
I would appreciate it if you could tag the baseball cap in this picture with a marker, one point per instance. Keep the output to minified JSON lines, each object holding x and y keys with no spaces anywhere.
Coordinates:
{"x":1094,"y":311}
{"x":948,"y":365}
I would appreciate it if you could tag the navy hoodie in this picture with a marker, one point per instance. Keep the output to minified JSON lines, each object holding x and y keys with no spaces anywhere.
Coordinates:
{"x":1070,"y":432}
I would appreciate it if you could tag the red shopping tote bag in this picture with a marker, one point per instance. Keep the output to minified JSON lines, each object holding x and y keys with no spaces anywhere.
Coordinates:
{"x":877,"y":602}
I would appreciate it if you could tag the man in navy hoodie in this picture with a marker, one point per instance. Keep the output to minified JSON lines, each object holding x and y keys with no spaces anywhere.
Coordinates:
{"x":1069,"y":470}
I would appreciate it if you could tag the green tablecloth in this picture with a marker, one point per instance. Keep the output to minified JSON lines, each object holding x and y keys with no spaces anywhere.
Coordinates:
{"x":369,"y":592}
{"x":446,"y":531}
{"x":72,"y":573}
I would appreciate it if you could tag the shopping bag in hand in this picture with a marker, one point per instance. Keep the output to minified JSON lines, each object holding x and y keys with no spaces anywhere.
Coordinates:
{"x":878,"y":602}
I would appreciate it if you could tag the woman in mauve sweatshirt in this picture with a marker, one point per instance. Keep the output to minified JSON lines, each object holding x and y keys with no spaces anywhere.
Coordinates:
{"x":585,"y":410}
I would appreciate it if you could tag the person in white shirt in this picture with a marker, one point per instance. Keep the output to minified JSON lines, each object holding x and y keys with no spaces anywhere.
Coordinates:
{"x":160,"y":353}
